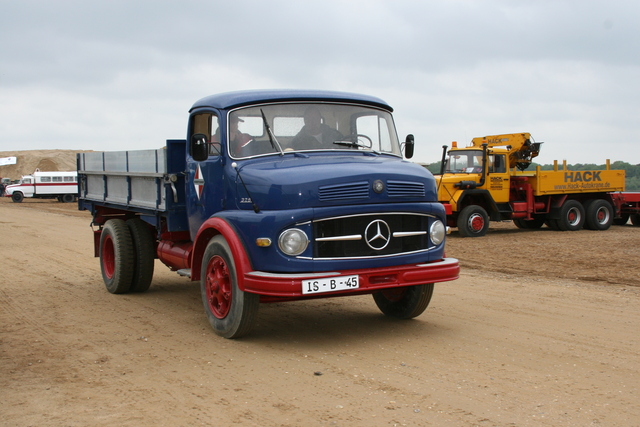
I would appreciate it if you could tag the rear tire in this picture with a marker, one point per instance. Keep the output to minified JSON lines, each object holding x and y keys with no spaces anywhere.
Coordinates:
{"x":231,"y":312}
{"x":406,"y":302}
{"x":68,"y":198}
{"x":598,"y":214}
{"x":17,"y":197}
{"x":571,"y":216}
{"x":116,"y":256}
{"x":552,"y":224}
{"x":532,"y":224}
{"x":473,"y":221}
{"x":624,"y":218}
{"x":635,"y":220}
{"x":144,"y":250}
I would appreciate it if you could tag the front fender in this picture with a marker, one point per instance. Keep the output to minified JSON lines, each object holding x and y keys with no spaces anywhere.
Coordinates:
{"x":477,"y":197}
{"x":213,"y":227}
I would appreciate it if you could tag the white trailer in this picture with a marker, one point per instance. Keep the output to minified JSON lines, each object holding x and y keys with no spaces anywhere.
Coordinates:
{"x":45,"y":185}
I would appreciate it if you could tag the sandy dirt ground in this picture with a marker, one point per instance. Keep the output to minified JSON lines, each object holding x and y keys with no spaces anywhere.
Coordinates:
{"x":541,"y":329}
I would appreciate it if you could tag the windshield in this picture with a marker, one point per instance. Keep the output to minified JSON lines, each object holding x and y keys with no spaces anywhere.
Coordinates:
{"x":467,"y":161}
{"x":283,"y":128}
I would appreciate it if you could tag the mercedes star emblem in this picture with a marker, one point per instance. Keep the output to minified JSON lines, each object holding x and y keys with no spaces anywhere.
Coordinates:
{"x":377,"y":234}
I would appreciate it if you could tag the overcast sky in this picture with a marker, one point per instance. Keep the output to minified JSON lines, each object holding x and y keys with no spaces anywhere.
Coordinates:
{"x":114,"y":75}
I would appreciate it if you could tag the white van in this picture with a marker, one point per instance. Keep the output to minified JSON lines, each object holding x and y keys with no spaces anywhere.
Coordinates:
{"x":45,"y":185}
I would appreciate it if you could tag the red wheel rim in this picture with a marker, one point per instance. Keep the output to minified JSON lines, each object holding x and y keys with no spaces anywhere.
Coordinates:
{"x":573,"y":216}
{"x":108,"y":256}
{"x":476,"y":222}
{"x":218,"y":286}
{"x":603,"y":215}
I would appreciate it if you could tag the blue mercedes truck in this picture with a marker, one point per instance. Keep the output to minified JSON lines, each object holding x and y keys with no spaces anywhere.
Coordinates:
{"x":274,"y":195}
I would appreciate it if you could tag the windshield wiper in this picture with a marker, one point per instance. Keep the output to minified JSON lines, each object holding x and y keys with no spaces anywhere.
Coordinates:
{"x":272,"y":138}
{"x":353,"y":141}
{"x":352,"y":144}
{"x":349,"y":144}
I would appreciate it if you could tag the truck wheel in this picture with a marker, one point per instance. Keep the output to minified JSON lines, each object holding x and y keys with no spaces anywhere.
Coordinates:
{"x":144,"y":250}
{"x":17,"y":197}
{"x":635,"y":220}
{"x":473,"y":221}
{"x":571,"y":216}
{"x":624,"y":218}
{"x":116,"y":256}
{"x":598,"y":214}
{"x":231,"y":312}
{"x":404,"y":303}
{"x":532,"y":224}
{"x":68,"y":198}
{"x":552,"y":224}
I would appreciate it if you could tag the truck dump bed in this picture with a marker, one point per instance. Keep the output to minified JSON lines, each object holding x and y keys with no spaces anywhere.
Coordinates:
{"x":550,"y":182}
{"x":150,"y":183}
{"x":130,"y":178}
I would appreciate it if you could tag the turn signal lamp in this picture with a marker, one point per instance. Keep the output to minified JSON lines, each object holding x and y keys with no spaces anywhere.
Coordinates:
{"x":263,"y":242}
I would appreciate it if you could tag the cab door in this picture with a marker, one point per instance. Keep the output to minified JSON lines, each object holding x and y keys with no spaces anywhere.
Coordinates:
{"x":28,"y":186}
{"x":205,"y":183}
{"x":498,"y":177}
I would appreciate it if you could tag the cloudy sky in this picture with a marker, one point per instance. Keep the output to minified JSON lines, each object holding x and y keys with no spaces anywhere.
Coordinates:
{"x":113,"y":75}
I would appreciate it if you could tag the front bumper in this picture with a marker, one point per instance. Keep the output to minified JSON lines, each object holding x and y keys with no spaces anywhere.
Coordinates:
{"x":289,"y":285}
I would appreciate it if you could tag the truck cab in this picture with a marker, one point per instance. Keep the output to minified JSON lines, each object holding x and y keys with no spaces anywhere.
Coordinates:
{"x":475,"y":181}
{"x":466,"y":165}
{"x":292,"y":172}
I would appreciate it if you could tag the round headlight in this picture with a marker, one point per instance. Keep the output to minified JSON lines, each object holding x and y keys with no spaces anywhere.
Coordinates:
{"x":437,"y":231}
{"x":293,"y":241}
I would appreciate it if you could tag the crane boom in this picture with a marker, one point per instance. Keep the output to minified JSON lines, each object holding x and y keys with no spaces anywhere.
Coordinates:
{"x":521,"y":147}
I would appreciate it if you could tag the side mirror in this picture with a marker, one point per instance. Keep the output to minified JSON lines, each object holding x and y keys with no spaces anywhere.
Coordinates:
{"x":199,"y":147}
{"x":408,"y":146}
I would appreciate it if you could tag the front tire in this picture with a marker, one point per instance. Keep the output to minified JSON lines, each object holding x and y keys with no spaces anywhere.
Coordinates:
{"x":67,"y":198}
{"x":17,"y":197}
{"x":406,"y":302}
{"x":473,"y":221}
{"x":231,"y":312}
{"x":116,"y":256}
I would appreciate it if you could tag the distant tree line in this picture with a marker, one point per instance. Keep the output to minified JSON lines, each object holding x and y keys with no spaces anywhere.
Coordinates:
{"x":632,"y":172}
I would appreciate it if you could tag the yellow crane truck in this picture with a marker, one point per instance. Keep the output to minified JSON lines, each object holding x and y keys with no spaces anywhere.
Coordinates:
{"x":488,"y":181}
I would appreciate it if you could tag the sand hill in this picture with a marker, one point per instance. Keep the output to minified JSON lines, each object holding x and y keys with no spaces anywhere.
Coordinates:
{"x":46,"y":160}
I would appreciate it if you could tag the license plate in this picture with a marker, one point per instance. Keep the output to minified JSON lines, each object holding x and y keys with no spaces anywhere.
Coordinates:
{"x":330,"y":284}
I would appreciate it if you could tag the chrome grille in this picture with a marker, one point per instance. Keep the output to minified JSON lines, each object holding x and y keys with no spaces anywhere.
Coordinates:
{"x":354,"y":236}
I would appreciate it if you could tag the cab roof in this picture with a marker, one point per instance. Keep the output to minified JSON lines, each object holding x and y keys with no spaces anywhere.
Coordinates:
{"x":240,"y":98}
